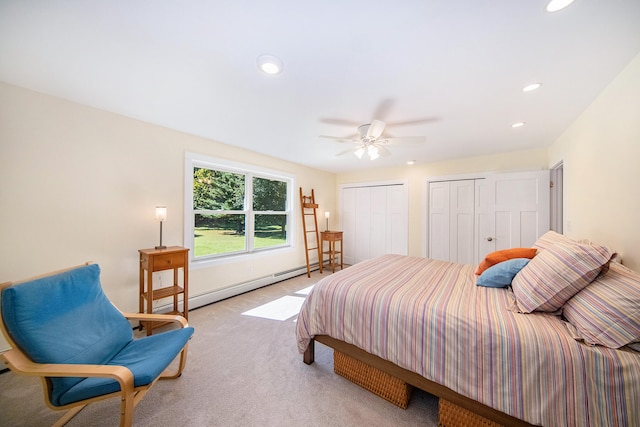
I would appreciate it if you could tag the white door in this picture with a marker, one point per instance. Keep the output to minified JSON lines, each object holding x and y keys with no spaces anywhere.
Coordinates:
{"x":512,"y":210}
{"x":452,"y":220}
{"x":471,"y":218}
{"x":374,"y":221}
{"x":462,"y":221}
{"x":439,"y":242}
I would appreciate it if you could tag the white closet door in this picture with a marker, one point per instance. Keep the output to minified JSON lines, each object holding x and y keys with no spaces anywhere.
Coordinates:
{"x":452,"y":221}
{"x":470,"y":218}
{"x":512,"y":211}
{"x":374,"y":221}
{"x":462,"y":221}
{"x":378,"y":221}
{"x":439,"y":208}
{"x":361,"y":247}
{"x":348,"y":216}
{"x":397,"y":226}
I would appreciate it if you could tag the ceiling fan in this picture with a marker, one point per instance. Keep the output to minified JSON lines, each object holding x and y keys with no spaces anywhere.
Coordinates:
{"x":370,"y":140}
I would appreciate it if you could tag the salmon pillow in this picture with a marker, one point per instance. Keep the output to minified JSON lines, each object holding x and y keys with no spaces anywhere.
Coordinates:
{"x":504,"y":255}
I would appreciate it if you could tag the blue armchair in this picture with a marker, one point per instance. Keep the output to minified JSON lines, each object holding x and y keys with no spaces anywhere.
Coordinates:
{"x":64,"y":329}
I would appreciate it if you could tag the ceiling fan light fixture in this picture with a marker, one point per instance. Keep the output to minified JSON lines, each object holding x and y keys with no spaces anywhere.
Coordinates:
{"x":270,"y":64}
{"x":359,"y":152}
{"x":372,"y":151}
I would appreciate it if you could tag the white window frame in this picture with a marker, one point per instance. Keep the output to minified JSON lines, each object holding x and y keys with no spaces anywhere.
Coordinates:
{"x":193,"y":160}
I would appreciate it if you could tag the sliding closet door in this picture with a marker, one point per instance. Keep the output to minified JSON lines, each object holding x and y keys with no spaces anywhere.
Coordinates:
{"x":374,"y":221}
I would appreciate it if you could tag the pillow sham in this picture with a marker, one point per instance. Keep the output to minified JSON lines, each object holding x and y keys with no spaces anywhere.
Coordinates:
{"x":504,"y":255}
{"x":607,"y":312}
{"x":550,"y":238}
{"x":500,"y":275}
{"x":556,"y":274}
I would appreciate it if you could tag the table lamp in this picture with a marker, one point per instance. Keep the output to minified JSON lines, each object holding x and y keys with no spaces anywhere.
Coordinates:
{"x":161,"y":215}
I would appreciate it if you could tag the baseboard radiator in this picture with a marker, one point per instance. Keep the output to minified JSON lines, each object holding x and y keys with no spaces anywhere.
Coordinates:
{"x":201,"y":300}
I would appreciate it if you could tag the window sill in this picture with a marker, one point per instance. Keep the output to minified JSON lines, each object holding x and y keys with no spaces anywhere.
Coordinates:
{"x":236,"y":258}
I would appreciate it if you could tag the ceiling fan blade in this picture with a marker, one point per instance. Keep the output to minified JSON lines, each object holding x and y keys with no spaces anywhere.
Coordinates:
{"x":375,"y":129}
{"x":406,"y":140}
{"x":382,"y":111}
{"x":341,"y":122}
{"x":382,"y":150}
{"x":414,"y":122}
{"x":342,"y":153}
{"x":341,"y":139}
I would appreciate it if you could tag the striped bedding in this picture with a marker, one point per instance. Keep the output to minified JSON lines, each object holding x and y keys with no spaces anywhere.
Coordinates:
{"x":429,"y":317}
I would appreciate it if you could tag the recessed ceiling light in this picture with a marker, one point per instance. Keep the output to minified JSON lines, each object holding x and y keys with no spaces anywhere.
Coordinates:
{"x":270,"y":64}
{"x":556,"y":5}
{"x":517,"y":125}
{"x":411,"y":162}
{"x":532,"y":86}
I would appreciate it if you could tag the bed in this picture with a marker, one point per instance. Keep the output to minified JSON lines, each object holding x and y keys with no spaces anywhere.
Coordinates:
{"x":427,"y":322}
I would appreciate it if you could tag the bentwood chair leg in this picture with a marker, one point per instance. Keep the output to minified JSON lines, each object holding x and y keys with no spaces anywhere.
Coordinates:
{"x":68,"y":415}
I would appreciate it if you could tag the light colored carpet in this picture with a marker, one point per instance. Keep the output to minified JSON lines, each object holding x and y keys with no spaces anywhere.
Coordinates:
{"x":241,"y":371}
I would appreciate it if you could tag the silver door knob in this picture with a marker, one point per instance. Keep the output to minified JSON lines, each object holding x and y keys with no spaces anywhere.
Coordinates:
{"x":489,"y":239}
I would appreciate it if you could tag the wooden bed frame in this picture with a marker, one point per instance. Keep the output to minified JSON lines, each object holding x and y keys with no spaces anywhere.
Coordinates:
{"x":413,"y":379}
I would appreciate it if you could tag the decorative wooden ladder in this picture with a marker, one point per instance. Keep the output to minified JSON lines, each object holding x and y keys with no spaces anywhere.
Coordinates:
{"x":308,"y":207}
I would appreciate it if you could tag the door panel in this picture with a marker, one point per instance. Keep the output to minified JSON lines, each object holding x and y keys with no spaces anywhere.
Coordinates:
{"x":462,"y":221}
{"x":348,"y":217}
{"x":378,"y":209}
{"x":397,"y":220}
{"x":374,"y":221}
{"x":362,"y":224}
{"x":439,"y":220}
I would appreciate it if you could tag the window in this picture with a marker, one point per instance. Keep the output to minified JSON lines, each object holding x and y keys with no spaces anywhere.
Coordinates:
{"x":234,"y":209}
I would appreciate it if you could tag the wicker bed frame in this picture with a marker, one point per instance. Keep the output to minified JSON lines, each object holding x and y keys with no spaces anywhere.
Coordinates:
{"x":444,"y":393}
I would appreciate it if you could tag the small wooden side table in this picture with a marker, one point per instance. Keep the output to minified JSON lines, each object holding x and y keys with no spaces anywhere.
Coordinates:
{"x":331,"y":237}
{"x":152,"y":260}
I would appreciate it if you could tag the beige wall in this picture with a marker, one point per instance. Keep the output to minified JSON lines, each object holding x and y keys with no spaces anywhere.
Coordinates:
{"x":601,"y":155}
{"x":416,"y":176}
{"x":80,"y":184}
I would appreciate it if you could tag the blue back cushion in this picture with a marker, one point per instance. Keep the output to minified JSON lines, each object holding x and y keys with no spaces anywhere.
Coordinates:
{"x":65,"y":318}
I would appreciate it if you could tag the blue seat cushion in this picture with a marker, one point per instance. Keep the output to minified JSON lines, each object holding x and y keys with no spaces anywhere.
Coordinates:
{"x":67,"y":318}
{"x":146,"y":357}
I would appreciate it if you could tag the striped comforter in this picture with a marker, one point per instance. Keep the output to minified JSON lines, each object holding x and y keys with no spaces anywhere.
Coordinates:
{"x":429,"y":317}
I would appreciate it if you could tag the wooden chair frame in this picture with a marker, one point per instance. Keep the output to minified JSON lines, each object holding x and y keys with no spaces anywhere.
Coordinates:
{"x":130,"y":396}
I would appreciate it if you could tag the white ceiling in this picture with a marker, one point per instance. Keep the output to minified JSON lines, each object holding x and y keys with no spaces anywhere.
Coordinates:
{"x":461,"y":64}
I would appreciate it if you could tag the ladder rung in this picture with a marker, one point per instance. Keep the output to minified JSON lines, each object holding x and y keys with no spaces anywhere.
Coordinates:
{"x":309,"y":205}
{"x":311,"y":249}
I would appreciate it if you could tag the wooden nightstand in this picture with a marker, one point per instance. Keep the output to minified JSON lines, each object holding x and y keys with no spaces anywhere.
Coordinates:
{"x":152,"y":260}
{"x":332,"y":237}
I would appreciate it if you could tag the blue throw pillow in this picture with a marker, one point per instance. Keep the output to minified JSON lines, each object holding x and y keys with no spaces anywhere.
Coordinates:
{"x":501,"y":274}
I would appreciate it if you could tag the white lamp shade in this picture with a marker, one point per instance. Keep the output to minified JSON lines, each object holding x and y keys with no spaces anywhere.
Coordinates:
{"x":161,"y":213}
{"x":327,"y":215}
